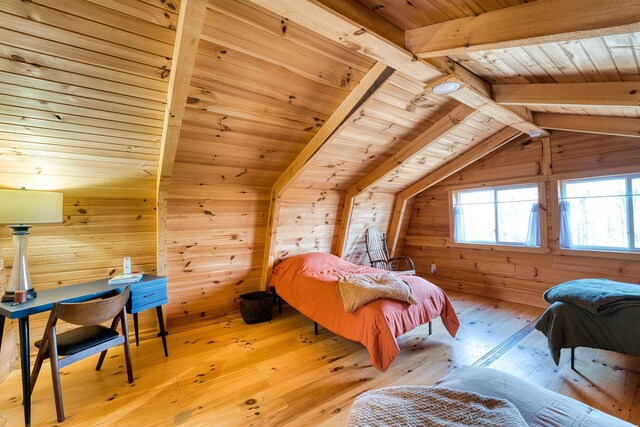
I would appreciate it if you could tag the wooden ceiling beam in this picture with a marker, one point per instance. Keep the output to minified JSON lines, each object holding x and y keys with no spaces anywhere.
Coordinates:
{"x":345,"y":221}
{"x":487,"y":146}
{"x":190,"y":20}
{"x":361,"y":14}
{"x":619,"y":126}
{"x":543,"y":21}
{"x":608,"y":94}
{"x":520,"y":121}
{"x":333,"y":25}
{"x":350,"y":108}
{"x":369,"y":84}
{"x":362,"y":37}
{"x":476,"y":93}
{"x":440,"y":129}
{"x":480,"y":150}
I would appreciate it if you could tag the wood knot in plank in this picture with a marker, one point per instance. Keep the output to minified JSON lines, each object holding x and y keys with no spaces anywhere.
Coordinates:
{"x":352,"y":45}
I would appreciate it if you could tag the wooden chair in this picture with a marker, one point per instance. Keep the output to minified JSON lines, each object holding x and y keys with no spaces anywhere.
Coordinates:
{"x":79,"y":343}
{"x":376,"y":245}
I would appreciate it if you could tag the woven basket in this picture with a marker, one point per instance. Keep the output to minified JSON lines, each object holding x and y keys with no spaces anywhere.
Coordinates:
{"x":256,"y":307}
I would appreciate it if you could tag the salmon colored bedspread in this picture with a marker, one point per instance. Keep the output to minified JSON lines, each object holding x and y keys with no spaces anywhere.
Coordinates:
{"x":308,"y":282}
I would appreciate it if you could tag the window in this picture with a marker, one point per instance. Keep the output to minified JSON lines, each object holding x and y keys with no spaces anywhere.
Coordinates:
{"x":600,"y":213}
{"x":501,"y":215}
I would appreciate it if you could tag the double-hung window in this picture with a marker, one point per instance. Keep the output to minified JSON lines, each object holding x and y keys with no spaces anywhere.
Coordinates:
{"x":600,"y":213}
{"x":497,"y":216}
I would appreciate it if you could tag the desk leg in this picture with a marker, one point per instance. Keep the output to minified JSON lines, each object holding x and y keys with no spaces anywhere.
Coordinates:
{"x":1,"y":330}
{"x":135,"y":327}
{"x":23,"y":328}
{"x":163,"y":332}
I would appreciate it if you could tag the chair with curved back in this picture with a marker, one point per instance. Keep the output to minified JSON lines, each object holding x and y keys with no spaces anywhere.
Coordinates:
{"x":90,"y":338}
{"x":376,"y":245}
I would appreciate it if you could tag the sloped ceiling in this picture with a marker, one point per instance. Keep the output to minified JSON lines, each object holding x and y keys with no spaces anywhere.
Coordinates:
{"x":249,"y":90}
{"x":395,"y":115}
{"x":84,"y":89}
{"x":408,"y":15}
{"x":85,"y":83}
{"x":373,"y":28}
{"x":260,"y":90}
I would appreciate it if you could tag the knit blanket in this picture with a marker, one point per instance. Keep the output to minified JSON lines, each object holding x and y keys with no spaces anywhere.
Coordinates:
{"x":598,"y":296}
{"x":430,"y":406}
{"x":359,"y":289}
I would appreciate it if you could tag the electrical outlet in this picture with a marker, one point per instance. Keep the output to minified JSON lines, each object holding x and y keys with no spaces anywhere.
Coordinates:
{"x":433,"y":269}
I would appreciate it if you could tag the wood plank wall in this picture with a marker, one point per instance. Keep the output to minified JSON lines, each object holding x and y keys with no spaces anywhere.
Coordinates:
{"x":82,"y":94}
{"x":515,"y":275}
{"x":253,"y":106}
{"x":309,"y":222}
{"x":371,"y":209}
{"x":310,"y":219}
{"x":394,"y":115}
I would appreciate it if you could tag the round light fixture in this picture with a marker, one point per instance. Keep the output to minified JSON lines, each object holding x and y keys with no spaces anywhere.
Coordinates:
{"x":446,"y":88}
{"x":534,"y":133}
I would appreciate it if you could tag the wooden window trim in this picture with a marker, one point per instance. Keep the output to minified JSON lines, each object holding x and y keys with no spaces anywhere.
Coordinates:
{"x":499,"y":248}
{"x":544,"y":229}
{"x":588,"y":253}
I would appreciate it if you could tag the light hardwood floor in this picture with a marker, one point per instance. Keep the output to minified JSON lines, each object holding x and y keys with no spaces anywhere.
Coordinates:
{"x":280,"y":373}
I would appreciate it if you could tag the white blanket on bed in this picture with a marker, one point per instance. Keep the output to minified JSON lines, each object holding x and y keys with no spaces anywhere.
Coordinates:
{"x":429,"y":406}
{"x":357,"y":290}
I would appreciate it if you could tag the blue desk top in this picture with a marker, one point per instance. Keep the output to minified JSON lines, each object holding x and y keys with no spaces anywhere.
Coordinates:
{"x":72,"y":293}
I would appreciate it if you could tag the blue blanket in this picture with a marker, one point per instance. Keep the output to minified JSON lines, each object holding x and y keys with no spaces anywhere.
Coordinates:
{"x":598,"y":296}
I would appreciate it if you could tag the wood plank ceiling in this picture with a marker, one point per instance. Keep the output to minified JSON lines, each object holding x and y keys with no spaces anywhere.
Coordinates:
{"x":252,"y":107}
{"x":83,"y":97}
{"x":409,"y":15}
{"x":355,"y":24}
{"x":83,"y":87}
{"x":600,"y":59}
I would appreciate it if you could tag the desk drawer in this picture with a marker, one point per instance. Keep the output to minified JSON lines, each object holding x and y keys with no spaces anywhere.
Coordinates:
{"x":144,"y":297}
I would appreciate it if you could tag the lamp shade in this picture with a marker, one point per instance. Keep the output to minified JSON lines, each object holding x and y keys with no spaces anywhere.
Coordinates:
{"x":30,"y":207}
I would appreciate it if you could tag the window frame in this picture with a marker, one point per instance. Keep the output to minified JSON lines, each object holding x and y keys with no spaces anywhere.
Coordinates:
{"x":512,"y":247}
{"x":631,"y":249}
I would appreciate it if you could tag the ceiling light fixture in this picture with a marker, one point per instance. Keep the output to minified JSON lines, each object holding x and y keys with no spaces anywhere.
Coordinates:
{"x":534,"y":133}
{"x":446,"y":88}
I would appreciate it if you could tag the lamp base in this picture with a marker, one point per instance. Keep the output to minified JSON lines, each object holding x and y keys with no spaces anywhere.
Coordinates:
{"x":20,"y":279}
{"x":9,"y":296}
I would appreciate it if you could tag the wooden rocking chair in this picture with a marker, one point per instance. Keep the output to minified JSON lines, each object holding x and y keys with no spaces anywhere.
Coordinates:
{"x":376,"y":244}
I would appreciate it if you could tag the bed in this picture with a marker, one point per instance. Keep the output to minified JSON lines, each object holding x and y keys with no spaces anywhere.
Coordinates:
{"x":568,"y":326}
{"x":535,"y":406}
{"x":595,"y":313}
{"x":308,"y":282}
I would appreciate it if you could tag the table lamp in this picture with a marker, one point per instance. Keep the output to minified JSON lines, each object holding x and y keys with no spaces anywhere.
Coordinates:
{"x":22,"y":207}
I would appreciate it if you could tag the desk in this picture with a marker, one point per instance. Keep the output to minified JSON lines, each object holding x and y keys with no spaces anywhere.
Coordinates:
{"x":150,"y":292}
